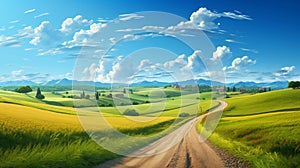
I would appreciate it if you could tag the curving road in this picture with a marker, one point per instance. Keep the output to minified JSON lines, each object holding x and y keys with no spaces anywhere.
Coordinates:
{"x":181,"y":148}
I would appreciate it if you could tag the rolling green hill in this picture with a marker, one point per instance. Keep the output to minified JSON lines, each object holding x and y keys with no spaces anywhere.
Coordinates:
{"x":275,"y":101}
{"x":262,"y":129}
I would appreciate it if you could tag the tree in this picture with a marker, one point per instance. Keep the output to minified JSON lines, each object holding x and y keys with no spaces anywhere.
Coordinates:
{"x":97,"y":95}
{"x":233,"y":89}
{"x":228,"y":89}
{"x":24,"y":89}
{"x":124,"y":90}
{"x":39,"y":94}
{"x":130,"y":91}
{"x":82,"y":95}
{"x":294,"y":84}
{"x":270,"y":89}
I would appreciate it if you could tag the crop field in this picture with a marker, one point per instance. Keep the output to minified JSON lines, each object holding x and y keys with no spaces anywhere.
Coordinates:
{"x":262,"y":129}
{"x":49,"y":130}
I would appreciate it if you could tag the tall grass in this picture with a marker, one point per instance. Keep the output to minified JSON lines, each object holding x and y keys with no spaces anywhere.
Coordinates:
{"x":49,"y":148}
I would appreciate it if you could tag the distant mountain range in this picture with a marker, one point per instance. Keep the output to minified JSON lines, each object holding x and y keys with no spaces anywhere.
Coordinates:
{"x":66,"y":82}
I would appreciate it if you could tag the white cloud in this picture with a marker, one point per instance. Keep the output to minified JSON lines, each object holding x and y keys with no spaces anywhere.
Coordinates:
{"x":73,"y":24}
{"x":239,"y":63}
{"x":222,"y":51}
{"x":236,"y":15}
{"x":233,"y":41}
{"x":16,"y":72}
{"x":249,"y":50}
{"x":28,"y":49}
{"x":44,"y":34}
{"x":120,"y":57}
{"x":9,"y":41}
{"x":40,"y":15}
{"x":125,"y":17}
{"x":204,"y":19}
{"x":29,"y":11}
{"x":14,"y":21}
{"x":285,"y":71}
{"x":194,"y":60}
{"x":26,"y":32}
{"x":144,"y":64}
{"x":90,"y":72}
{"x":53,"y":51}
{"x":81,"y":37}
{"x":179,"y":62}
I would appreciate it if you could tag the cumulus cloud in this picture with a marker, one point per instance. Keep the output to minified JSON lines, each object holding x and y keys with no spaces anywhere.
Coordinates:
{"x":239,"y":63}
{"x":73,"y":24}
{"x":179,"y":62}
{"x":194,"y":61}
{"x":90,"y":72}
{"x":285,"y":71}
{"x":44,"y":34}
{"x":81,"y":37}
{"x":222,"y":51}
{"x":144,"y":64}
{"x":204,"y":19}
{"x":29,"y":11}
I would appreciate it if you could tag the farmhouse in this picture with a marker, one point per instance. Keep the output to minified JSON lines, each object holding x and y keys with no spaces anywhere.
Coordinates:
{"x":176,"y":86}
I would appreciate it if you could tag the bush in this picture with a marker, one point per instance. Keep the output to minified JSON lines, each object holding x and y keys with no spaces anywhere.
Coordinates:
{"x":184,"y":114}
{"x":135,"y":103}
{"x":24,"y":89}
{"x":131,"y":112}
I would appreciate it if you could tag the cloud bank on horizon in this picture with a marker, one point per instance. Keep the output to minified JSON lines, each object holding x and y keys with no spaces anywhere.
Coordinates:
{"x":66,"y":40}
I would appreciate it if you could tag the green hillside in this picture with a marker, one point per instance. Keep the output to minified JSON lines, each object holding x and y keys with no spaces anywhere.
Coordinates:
{"x":275,"y":101}
{"x":262,"y":129}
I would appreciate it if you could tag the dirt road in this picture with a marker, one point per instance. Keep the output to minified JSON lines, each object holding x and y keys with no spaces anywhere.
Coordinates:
{"x":188,"y":152}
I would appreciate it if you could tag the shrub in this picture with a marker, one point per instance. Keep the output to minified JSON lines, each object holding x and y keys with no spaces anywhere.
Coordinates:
{"x":135,"y":103}
{"x":184,"y":114}
{"x":131,"y":112}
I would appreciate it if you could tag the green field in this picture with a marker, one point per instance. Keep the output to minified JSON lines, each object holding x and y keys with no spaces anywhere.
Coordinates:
{"x":47,"y":133}
{"x":262,"y":129}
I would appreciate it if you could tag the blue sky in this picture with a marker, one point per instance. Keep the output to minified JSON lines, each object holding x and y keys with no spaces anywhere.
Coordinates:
{"x":253,"y":40}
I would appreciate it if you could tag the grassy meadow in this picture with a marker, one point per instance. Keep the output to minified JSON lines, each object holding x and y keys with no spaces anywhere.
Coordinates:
{"x":262,"y":129}
{"x":48,"y":133}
